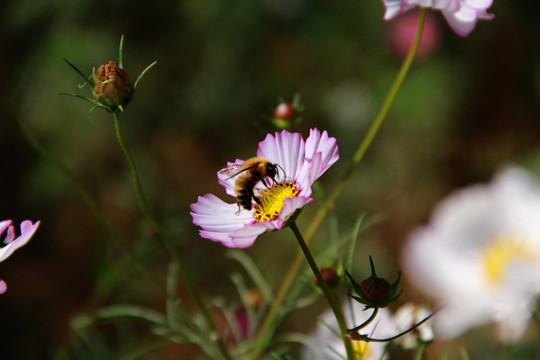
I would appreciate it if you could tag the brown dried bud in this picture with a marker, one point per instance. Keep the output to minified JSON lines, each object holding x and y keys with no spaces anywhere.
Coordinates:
{"x":254,"y":297}
{"x":330,"y":277}
{"x":285,"y":111}
{"x":112,"y":85}
{"x":375,"y":289}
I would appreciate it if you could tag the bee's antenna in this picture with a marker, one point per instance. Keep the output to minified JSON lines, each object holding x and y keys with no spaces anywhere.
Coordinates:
{"x":284,"y":175}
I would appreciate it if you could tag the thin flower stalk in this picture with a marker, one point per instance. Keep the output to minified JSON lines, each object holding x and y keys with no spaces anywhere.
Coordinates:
{"x":270,"y":323}
{"x":163,"y":235}
{"x":332,"y":300}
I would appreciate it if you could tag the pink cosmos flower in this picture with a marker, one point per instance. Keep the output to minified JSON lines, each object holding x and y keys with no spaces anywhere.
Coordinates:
{"x":461,"y":15}
{"x":302,"y":162}
{"x":11,"y":243}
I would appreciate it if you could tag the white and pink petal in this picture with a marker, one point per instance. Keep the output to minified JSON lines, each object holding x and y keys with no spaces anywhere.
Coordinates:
{"x":394,"y":8}
{"x":227,"y":181}
{"x":479,"y":4}
{"x":324,"y":145}
{"x":461,"y":15}
{"x":28,"y":230}
{"x":218,"y":219}
{"x":4,"y":225}
{"x":463,"y":21}
{"x":289,"y":207}
{"x":285,"y":149}
{"x":246,"y":236}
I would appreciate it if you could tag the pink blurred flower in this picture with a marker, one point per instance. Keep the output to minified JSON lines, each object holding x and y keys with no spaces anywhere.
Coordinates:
{"x":303,"y":162}
{"x":461,"y":15}
{"x":11,"y":243}
{"x":402,"y":34}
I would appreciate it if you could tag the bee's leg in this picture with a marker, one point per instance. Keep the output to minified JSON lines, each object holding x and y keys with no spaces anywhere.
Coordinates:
{"x":252,"y":194}
{"x":239,"y":209}
{"x":264,"y":183}
{"x":257,"y":200}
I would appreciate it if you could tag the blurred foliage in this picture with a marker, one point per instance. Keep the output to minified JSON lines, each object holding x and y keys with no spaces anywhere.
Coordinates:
{"x":467,"y":109}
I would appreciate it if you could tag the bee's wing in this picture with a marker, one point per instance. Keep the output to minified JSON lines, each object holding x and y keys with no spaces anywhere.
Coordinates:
{"x":231,"y":171}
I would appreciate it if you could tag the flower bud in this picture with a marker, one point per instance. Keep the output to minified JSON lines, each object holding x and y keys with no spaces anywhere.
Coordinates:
{"x":112,"y":85}
{"x":375,"y":289}
{"x":330,"y":277}
{"x":375,"y":292}
{"x":285,"y":111}
{"x":254,"y":298}
{"x":288,"y":114}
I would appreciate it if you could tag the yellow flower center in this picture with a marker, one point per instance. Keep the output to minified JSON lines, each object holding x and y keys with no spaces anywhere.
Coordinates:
{"x":502,"y":253}
{"x":273,"y":199}
{"x":360,"y":349}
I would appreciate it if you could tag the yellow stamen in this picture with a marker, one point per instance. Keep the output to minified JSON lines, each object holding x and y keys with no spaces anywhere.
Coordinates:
{"x":273,"y":199}
{"x":502,"y":253}
{"x":360,"y":348}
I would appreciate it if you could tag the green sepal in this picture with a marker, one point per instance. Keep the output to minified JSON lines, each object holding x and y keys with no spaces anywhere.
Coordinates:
{"x":142,"y":74}
{"x":121,"y":52}
{"x":88,"y":79}
{"x":292,"y":218}
{"x":297,"y":104}
{"x":354,"y":284}
{"x":91,"y":101}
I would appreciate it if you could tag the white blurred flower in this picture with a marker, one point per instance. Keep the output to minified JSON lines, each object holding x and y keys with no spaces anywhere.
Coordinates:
{"x":480,"y":256}
{"x":406,"y":317}
{"x":327,"y":344}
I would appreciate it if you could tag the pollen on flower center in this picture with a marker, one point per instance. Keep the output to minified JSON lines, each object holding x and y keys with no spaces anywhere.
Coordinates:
{"x":502,"y":253}
{"x":273,"y":199}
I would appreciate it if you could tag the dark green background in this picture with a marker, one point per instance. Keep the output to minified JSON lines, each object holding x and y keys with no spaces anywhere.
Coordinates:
{"x":469,"y":108}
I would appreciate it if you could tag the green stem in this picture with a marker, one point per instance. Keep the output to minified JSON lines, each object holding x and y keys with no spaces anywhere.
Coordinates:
{"x":420,"y":351}
{"x":270,"y":321}
{"x":330,"y":296}
{"x":147,"y":211}
{"x":375,"y":126}
{"x":367,"y":322}
{"x":92,"y":204}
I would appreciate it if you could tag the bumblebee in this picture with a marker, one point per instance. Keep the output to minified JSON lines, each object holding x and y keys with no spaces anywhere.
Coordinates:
{"x":252,"y":171}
